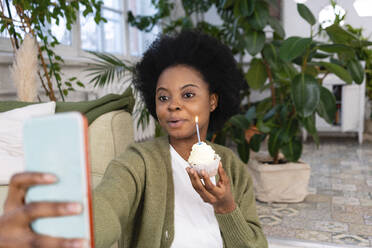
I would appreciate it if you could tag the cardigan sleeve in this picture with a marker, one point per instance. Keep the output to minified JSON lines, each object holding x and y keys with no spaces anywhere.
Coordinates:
{"x":241,"y":227}
{"x":118,"y":193}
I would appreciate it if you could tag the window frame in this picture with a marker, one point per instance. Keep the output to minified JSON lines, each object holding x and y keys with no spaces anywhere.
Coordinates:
{"x":75,"y":52}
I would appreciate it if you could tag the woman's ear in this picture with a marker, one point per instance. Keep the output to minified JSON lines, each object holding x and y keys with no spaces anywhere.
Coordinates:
{"x":213,"y":101}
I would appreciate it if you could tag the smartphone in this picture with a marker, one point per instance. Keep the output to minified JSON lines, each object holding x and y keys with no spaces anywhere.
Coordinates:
{"x":58,"y":144}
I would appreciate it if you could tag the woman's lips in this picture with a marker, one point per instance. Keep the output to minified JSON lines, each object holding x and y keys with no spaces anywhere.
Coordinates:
{"x":175,"y":123}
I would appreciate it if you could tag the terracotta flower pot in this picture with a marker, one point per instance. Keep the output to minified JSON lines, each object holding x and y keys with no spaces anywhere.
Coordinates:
{"x":286,"y":182}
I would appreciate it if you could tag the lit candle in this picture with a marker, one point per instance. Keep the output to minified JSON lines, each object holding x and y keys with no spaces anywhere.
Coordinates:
{"x":197,"y":128}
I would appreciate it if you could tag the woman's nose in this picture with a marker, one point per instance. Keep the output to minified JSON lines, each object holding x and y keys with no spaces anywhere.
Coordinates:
{"x":174,"y":105}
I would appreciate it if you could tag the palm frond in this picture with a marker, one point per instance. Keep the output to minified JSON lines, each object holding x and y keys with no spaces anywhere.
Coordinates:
{"x":106,"y":68}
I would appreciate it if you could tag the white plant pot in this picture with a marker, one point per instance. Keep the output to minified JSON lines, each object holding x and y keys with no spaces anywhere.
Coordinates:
{"x":280,"y":182}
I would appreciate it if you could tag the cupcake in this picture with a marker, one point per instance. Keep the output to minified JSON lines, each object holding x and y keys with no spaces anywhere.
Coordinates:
{"x":203,"y":157}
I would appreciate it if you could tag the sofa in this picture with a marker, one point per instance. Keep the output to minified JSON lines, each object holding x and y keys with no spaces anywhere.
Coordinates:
{"x":108,"y":135}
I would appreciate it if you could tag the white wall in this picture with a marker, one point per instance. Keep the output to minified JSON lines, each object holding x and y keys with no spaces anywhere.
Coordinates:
{"x":295,"y":25}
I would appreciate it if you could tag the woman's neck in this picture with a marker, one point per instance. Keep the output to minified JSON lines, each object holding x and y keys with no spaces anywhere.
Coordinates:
{"x":183,"y":146}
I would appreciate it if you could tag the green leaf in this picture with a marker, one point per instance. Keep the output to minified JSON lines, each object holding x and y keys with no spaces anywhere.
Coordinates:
{"x":57,"y":76}
{"x":255,"y":41}
{"x":250,"y":114}
{"x":340,"y":35}
{"x":338,"y":70}
{"x":293,"y":47}
{"x":356,"y":71}
{"x":256,"y":75}
{"x":80,"y":84}
{"x":227,"y":3}
{"x":237,"y":12}
{"x":255,"y":142}
{"x":320,"y":55}
{"x":334,"y":48}
{"x":309,"y":124}
{"x":243,"y":151}
{"x":240,"y":121}
{"x":270,"y":53}
{"x":311,"y":70}
{"x":262,"y":127}
{"x":327,"y":106}
{"x":247,"y":7}
{"x":274,"y":142}
{"x":305,"y":94}
{"x":276,"y":26}
{"x":260,"y":16}
{"x":263,"y":106}
{"x":290,"y":70}
{"x":107,"y":68}
{"x":292,"y":129}
{"x":306,"y":14}
{"x":292,"y":150}
{"x":271,"y":113}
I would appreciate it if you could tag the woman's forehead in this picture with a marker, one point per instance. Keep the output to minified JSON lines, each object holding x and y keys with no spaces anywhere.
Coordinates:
{"x":179,"y":77}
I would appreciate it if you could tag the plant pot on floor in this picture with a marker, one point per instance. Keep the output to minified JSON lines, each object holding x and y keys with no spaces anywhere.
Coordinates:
{"x":286,"y":183}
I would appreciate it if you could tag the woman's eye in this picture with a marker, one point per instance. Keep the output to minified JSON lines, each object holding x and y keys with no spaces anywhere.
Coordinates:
{"x":189,"y":95}
{"x":163,"y":98}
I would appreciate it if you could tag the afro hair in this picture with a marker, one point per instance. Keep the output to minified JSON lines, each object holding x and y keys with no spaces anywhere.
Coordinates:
{"x":204,"y":53}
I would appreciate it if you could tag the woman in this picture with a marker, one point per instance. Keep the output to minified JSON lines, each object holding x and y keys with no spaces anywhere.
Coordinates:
{"x":149,"y":197}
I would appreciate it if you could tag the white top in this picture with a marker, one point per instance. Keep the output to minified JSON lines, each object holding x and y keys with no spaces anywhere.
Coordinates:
{"x":195,"y":224}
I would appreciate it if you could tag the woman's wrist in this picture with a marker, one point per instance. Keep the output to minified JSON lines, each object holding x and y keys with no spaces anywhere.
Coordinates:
{"x":225,"y":209}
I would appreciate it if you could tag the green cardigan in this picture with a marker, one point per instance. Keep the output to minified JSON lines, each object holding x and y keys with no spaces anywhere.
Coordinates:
{"x":135,"y":200}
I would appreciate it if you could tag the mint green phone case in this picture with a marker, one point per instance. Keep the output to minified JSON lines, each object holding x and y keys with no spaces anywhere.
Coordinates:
{"x":57,"y":144}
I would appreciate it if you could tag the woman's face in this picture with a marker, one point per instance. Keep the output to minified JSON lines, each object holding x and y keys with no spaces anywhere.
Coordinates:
{"x":182,"y":94}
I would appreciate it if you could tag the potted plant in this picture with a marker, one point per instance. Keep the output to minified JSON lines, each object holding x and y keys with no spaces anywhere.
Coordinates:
{"x":293,"y":69}
{"x":35,"y":18}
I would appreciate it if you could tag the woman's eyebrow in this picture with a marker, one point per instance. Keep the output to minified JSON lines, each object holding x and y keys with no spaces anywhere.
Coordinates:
{"x":161,"y":88}
{"x":184,"y":86}
{"x":189,"y":85}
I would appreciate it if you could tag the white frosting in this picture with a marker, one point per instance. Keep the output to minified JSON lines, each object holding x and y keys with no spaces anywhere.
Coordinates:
{"x":201,"y":153}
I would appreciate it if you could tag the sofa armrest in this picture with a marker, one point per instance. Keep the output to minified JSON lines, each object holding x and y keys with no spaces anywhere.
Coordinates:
{"x":109,"y":135}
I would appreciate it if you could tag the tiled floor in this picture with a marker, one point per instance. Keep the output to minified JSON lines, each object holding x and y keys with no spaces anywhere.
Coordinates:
{"x":338,"y":210}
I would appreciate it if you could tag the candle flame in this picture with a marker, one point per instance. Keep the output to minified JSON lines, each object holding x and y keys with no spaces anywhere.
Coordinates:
{"x":196,"y":119}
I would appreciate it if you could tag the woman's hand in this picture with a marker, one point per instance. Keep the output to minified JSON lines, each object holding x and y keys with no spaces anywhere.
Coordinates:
{"x":218,"y":195}
{"x":15,"y":223}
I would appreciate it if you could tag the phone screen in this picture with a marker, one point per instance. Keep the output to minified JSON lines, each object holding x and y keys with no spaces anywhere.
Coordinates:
{"x":57,"y":144}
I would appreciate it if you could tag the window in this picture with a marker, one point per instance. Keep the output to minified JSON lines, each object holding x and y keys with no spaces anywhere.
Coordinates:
{"x":114,"y":36}
{"x":104,"y":37}
{"x":59,"y":31}
{"x":141,"y":40}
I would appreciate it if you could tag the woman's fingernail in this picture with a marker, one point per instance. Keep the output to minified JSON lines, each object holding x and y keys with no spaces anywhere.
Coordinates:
{"x":80,"y":244}
{"x":74,"y":208}
{"x":49,"y":178}
{"x":77,"y":244}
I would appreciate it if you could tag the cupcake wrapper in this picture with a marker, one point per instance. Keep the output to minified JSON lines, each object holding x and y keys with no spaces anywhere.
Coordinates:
{"x":210,"y":168}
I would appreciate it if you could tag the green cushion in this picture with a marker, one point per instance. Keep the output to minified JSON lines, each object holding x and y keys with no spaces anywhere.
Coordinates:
{"x":91,"y":109}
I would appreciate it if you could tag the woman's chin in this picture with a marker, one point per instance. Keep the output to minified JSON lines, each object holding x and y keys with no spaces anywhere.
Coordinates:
{"x":178,"y":135}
